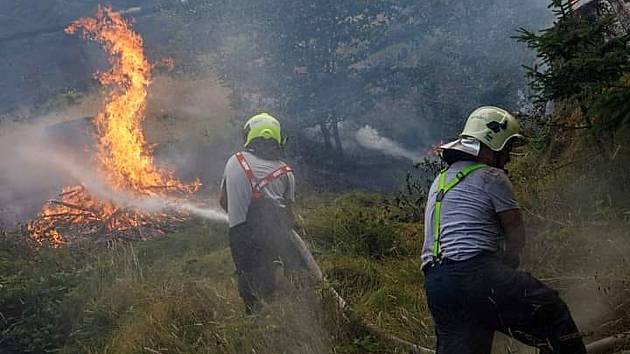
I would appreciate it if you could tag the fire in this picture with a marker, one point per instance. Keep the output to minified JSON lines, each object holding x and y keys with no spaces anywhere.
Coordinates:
{"x":434,"y":150}
{"x":124,"y":158}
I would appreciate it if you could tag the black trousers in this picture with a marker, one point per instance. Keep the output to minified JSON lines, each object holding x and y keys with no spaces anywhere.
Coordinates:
{"x":259,"y":247}
{"x":472,"y":299}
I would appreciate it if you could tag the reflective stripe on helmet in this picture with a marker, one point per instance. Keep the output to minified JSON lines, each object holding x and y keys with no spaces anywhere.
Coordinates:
{"x":443,"y":188}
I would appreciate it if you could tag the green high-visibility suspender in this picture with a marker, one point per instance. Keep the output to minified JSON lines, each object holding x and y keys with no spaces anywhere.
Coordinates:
{"x":443,"y":188}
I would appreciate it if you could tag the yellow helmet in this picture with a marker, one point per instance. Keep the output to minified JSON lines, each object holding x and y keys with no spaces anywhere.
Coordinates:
{"x":492,"y":126}
{"x":264,"y":126}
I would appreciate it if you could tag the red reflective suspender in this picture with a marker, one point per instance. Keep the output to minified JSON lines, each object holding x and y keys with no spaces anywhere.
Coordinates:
{"x":248,"y":171}
{"x":258,"y":186}
{"x":273,"y":175}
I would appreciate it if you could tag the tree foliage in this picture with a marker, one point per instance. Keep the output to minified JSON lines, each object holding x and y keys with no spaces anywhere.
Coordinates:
{"x":422,"y":65}
{"x":335,"y":65}
{"x":584,"y":58}
{"x":456,"y":55}
{"x":298,"y":58}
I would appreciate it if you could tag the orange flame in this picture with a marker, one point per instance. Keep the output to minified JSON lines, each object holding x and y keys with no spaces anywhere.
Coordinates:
{"x":434,"y":150}
{"x":123,"y":150}
{"x":124,"y":157}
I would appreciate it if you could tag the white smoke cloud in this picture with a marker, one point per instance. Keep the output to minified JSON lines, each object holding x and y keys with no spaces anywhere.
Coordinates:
{"x":370,"y":138}
{"x":97,"y":187}
{"x":40,"y":154}
{"x":36,"y":165}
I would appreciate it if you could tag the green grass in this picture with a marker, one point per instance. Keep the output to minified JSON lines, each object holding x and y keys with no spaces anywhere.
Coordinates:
{"x":374,"y":262}
{"x":576,"y":201}
{"x":177,"y":294}
{"x":173,"y":295}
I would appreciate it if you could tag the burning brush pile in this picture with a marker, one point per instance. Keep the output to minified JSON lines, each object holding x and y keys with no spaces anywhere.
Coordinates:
{"x":123,"y":158}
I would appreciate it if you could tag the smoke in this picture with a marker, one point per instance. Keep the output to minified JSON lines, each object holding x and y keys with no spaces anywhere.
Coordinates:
{"x":189,"y":121}
{"x":52,"y":151}
{"x":370,"y":138}
{"x":28,"y":177}
{"x":356,"y":139}
{"x":95,"y":185}
{"x":62,"y":164}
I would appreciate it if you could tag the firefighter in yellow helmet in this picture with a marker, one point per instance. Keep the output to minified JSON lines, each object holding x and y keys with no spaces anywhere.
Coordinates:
{"x":472,"y":284}
{"x":257,"y":191}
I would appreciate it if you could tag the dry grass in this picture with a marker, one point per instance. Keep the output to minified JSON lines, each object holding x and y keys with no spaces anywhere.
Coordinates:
{"x":177,"y":294}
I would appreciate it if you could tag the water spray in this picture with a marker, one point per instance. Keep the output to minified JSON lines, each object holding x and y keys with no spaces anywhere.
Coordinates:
{"x":370,"y":138}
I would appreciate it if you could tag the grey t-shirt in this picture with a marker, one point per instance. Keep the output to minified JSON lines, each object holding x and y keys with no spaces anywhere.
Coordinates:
{"x":469,"y":221}
{"x":239,"y":189}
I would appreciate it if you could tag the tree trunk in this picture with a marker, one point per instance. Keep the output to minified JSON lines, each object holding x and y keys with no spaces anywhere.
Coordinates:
{"x":338,"y":145}
{"x":326,"y":136}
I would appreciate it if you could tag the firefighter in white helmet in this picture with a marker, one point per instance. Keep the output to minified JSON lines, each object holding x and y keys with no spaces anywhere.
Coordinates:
{"x":257,"y":191}
{"x":472,"y":284}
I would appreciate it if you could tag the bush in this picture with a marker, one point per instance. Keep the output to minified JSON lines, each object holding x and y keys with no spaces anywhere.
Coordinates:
{"x":372,"y":258}
{"x":409,"y":203}
{"x":356,"y":224}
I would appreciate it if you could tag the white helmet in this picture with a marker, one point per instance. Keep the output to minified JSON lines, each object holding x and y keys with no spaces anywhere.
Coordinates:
{"x":492,"y":126}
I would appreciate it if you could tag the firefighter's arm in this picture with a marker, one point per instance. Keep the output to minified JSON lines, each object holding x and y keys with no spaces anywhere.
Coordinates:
{"x":514,"y":228}
{"x":223,"y":198}
{"x":295,"y":220}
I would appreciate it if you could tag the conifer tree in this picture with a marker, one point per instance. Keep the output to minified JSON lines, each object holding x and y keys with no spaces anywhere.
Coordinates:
{"x":583,"y":59}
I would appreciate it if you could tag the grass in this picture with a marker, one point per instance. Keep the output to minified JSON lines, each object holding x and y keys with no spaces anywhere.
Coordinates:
{"x":173,"y":295}
{"x":576,"y":203}
{"x":177,"y":294}
{"x":373,"y":261}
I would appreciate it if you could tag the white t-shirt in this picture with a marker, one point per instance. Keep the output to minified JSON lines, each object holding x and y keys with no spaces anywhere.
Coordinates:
{"x":239,"y":189}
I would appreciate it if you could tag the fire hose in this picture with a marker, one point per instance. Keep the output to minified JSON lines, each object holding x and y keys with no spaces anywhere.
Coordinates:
{"x":374,"y":330}
{"x":606,"y":345}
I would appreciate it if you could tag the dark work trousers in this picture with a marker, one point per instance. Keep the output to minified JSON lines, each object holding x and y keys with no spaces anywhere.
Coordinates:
{"x":259,"y":247}
{"x":471,"y":299}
